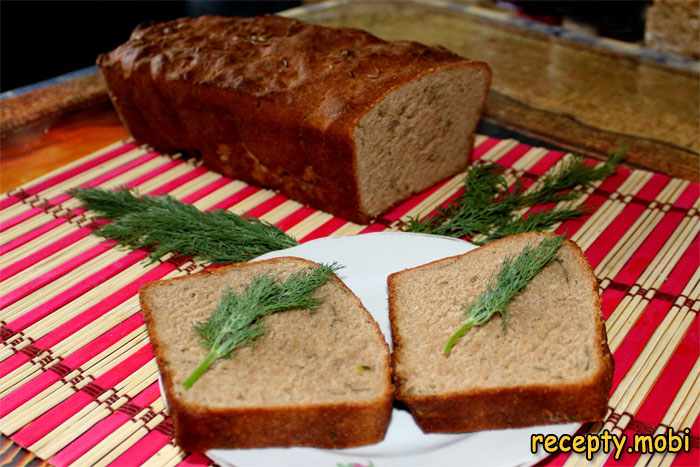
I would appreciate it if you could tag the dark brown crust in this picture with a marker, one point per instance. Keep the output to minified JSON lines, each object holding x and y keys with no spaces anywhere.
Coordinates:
{"x":198,"y":428}
{"x":508,"y":407}
{"x":270,"y":100}
{"x":42,"y":105}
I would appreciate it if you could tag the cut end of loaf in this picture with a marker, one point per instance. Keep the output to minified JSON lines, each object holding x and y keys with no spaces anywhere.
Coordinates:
{"x":418,"y":134}
{"x":549,"y":364}
{"x":309,"y":367}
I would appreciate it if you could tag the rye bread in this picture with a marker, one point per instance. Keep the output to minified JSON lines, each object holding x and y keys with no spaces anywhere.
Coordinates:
{"x":333,"y":117}
{"x":315,"y":378}
{"x":550,"y":365}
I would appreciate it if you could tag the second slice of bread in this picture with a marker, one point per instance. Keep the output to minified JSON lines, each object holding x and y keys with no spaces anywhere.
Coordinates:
{"x":315,"y":378}
{"x":551,"y":364}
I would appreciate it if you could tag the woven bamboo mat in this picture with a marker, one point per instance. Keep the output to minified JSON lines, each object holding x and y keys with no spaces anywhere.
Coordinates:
{"x":78,"y":383}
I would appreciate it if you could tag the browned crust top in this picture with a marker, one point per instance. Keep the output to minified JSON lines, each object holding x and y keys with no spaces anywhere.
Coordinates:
{"x":281,"y":59}
{"x":270,"y":54}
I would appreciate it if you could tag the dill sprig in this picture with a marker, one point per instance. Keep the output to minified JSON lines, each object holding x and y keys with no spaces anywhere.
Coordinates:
{"x":164,"y":225}
{"x":515,"y":274}
{"x":488,"y":208}
{"x":237,"y":320}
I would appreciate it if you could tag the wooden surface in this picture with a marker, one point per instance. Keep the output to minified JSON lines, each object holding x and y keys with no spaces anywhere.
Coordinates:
{"x":52,"y":144}
{"x":16,"y":456}
{"x":589,"y":97}
{"x":45,"y":103}
{"x":42,"y":148}
{"x":566,"y":95}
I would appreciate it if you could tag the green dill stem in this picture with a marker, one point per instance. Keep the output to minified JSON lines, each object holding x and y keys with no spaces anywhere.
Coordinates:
{"x":166,"y":226}
{"x":237,"y":320}
{"x":456,"y":336}
{"x":489,"y":209}
{"x":201,"y":369}
{"x":515,"y":274}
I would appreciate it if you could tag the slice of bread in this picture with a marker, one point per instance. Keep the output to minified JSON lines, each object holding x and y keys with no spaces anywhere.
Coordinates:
{"x":551,"y":364}
{"x":315,"y":378}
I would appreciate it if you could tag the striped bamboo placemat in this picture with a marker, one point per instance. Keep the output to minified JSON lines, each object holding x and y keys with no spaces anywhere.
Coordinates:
{"x":78,"y":383}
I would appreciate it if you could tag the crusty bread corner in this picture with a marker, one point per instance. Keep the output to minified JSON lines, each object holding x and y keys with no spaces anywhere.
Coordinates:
{"x":509,"y":407}
{"x":198,"y":428}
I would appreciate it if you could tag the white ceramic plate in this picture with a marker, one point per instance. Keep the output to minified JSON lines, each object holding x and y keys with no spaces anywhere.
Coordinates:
{"x":368,"y":259}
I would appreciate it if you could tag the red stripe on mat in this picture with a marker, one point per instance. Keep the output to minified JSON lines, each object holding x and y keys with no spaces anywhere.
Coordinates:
{"x":86,"y":317}
{"x":479,"y":151}
{"x":236,"y":198}
{"x":671,"y":379}
{"x":325,"y":229}
{"x":103,"y":428}
{"x":71,"y":293}
{"x":142,"y":450}
{"x":58,"y":414}
{"x":294,"y":218}
{"x":35,"y":385}
{"x":513,"y":155}
{"x":688,"y":197}
{"x":166,"y":188}
{"x":606,"y":241}
{"x":445,"y":203}
{"x":42,"y":253}
{"x":546,"y":162}
{"x":141,"y":179}
{"x":29,"y":236}
{"x":638,"y":337}
{"x":609,"y":300}
{"x":206,"y":190}
{"x":376,"y":227}
{"x":594,"y":201}
{"x":68,"y":174}
{"x":21,"y":240}
{"x":691,"y":458}
{"x":195,"y":460}
{"x":266,"y":206}
{"x":56,"y":200}
{"x":649,"y":248}
{"x":687,"y":264}
{"x":653,"y":187}
{"x":54,"y":274}
{"x":399,"y":211}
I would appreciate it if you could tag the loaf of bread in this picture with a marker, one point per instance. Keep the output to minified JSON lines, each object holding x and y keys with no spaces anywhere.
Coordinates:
{"x":550,"y":364}
{"x":314,"y":378}
{"x":336,"y":118}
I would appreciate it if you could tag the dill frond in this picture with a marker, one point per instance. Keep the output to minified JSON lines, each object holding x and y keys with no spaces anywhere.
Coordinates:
{"x":571,"y":174}
{"x":236,"y":322}
{"x":515,"y":274}
{"x":488,"y":208}
{"x":536,"y":222}
{"x":164,"y":226}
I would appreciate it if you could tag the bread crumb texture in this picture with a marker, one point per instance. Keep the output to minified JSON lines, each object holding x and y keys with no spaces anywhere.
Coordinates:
{"x":551,"y":335}
{"x":304,"y":357}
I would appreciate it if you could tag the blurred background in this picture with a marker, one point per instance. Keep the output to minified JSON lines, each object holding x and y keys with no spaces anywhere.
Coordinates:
{"x":43,"y":39}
